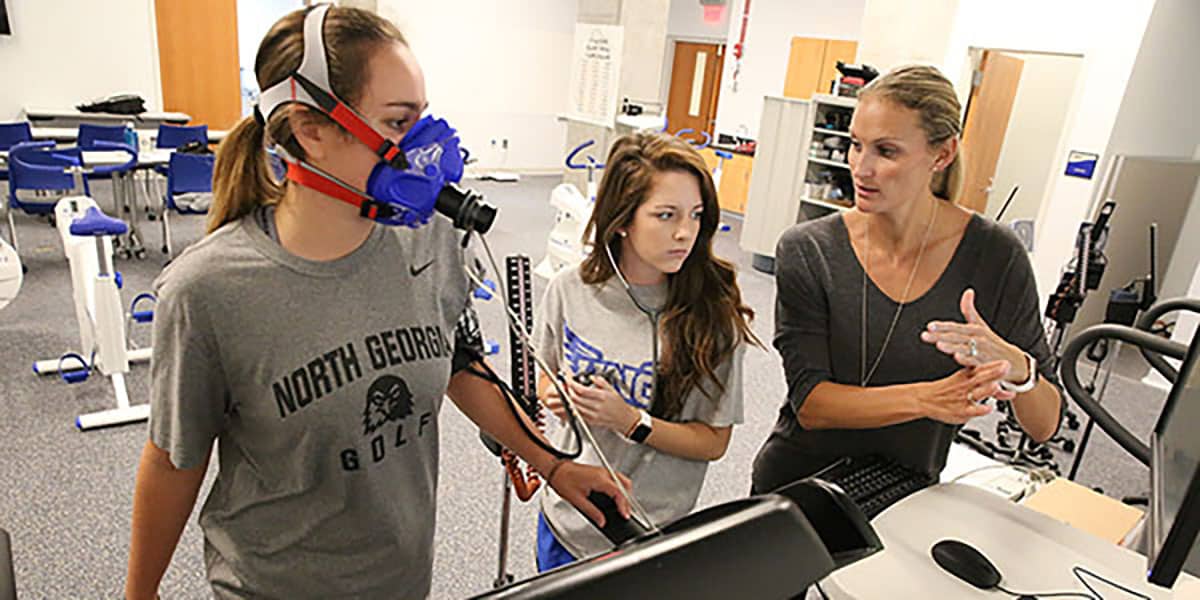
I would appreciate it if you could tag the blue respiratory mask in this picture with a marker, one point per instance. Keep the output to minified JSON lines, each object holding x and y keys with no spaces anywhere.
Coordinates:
{"x":411,"y":180}
{"x":408,"y":196}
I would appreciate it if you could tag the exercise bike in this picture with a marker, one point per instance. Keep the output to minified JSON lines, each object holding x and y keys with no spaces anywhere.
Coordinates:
{"x":87,"y":236}
{"x":565,"y":246}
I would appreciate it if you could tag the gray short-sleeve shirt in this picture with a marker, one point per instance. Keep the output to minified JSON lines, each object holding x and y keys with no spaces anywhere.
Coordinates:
{"x":321,"y":382}
{"x":581,"y":328}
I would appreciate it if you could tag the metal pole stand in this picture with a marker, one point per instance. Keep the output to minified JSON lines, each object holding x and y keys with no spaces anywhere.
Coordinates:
{"x":519,"y":283}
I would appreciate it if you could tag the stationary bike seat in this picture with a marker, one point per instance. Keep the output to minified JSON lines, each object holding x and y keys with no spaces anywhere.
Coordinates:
{"x":95,"y":223}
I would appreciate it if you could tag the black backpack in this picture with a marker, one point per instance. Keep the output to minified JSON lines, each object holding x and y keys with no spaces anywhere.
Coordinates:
{"x":121,"y":104}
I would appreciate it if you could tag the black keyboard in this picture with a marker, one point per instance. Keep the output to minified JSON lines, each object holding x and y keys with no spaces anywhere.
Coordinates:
{"x":874,"y":482}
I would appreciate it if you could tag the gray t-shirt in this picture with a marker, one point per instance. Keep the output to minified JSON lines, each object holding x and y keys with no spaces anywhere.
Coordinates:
{"x":321,"y":382}
{"x":597,"y":328}
{"x":818,"y":332}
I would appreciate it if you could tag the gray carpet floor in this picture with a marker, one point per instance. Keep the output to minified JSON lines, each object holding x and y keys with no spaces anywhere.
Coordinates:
{"x":65,"y":496}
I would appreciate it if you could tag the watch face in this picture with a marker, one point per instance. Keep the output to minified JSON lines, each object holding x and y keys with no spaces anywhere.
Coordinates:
{"x":640,"y":433}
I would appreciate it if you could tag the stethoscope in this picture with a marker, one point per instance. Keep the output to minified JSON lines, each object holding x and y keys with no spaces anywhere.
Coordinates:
{"x":652,"y":314}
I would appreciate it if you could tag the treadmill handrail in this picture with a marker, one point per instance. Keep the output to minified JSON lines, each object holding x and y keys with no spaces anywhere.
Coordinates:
{"x":1146,"y":321}
{"x":1070,"y":379}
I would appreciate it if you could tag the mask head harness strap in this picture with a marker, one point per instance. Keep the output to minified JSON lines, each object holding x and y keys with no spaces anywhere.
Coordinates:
{"x":309,"y":85}
{"x":316,"y":179}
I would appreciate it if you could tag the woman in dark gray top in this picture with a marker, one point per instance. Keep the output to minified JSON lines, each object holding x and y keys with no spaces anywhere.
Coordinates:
{"x":897,"y":318}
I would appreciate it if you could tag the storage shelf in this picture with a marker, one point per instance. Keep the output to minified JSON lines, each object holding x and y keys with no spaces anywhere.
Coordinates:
{"x":831,"y":132}
{"x":824,"y":203}
{"x":827,"y":162}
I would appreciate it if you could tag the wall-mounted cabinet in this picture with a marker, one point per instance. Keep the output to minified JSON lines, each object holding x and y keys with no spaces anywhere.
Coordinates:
{"x":812,"y":65}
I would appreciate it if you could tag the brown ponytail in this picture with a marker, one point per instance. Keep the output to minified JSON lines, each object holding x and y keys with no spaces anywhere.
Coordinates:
{"x":242,"y":177}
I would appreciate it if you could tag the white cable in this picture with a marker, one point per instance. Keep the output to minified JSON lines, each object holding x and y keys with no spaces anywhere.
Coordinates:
{"x":639,"y":512}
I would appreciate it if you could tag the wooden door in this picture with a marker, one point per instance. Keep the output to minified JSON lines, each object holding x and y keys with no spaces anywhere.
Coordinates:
{"x":695,"y":87}
{"x":988,"y":111}
{"x":198,"y":60}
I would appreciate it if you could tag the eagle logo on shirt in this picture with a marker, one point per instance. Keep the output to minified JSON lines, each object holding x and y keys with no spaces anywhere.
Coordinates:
{"x":388,"y":399}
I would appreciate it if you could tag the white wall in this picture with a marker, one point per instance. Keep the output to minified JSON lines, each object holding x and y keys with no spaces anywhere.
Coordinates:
{"x":496,"y":71}
{"x":1158,"y":109}
{"x":1108,"y":34}
{"x":1188,"y":245}
{"x":900,"y":32}
{"x":254,"y":20}
{"x":1158,"y":118}
{"x":65,"y":52}
{"x":645,"y":44}
{"x":772,"y":25}
{"x":1035,"y":126}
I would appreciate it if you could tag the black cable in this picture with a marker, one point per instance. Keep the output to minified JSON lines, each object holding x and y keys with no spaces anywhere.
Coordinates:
{"x":1021,"y":596}
{"x":1004,"y":208}
{"x":845,"y":460}
{"x":512,"y":397}
{"x":821,"y":591}
{"x":1080,"y":571}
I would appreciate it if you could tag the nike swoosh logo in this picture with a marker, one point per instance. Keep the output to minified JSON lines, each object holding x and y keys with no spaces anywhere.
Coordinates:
{"x":415,"y":270}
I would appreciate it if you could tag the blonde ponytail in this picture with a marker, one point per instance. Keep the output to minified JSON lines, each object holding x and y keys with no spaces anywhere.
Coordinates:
{"x":947,"y":183}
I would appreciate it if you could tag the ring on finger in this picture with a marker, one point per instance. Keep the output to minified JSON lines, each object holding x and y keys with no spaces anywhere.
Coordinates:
{"x":972,"y":348}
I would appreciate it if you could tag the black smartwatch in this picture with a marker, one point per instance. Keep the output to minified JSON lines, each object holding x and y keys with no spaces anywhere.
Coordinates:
{"x":641,"y":431}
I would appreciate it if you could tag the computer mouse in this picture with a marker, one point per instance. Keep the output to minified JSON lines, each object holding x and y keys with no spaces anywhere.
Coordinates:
{"x":966,"y":563}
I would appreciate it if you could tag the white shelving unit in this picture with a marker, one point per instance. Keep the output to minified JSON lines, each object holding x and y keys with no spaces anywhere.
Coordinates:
{"x":824,"y":204}
{"x":777,"y":182}
{"x":824,"y":131}
{"x":829,"y":163}
{"x":829,"y":124}
{"x":786,"y":174}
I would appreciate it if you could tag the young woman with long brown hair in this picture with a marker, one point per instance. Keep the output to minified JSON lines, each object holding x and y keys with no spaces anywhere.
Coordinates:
{"x":316,"y":345}
{"x":651,"y":281}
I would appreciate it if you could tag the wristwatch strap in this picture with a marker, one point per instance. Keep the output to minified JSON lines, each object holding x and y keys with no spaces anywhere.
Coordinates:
{"x":1030,"y":381}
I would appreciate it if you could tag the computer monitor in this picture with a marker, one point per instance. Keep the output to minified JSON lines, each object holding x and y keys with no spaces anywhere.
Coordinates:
{"x":1174,"y":518}
{"x":770,"y":546}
